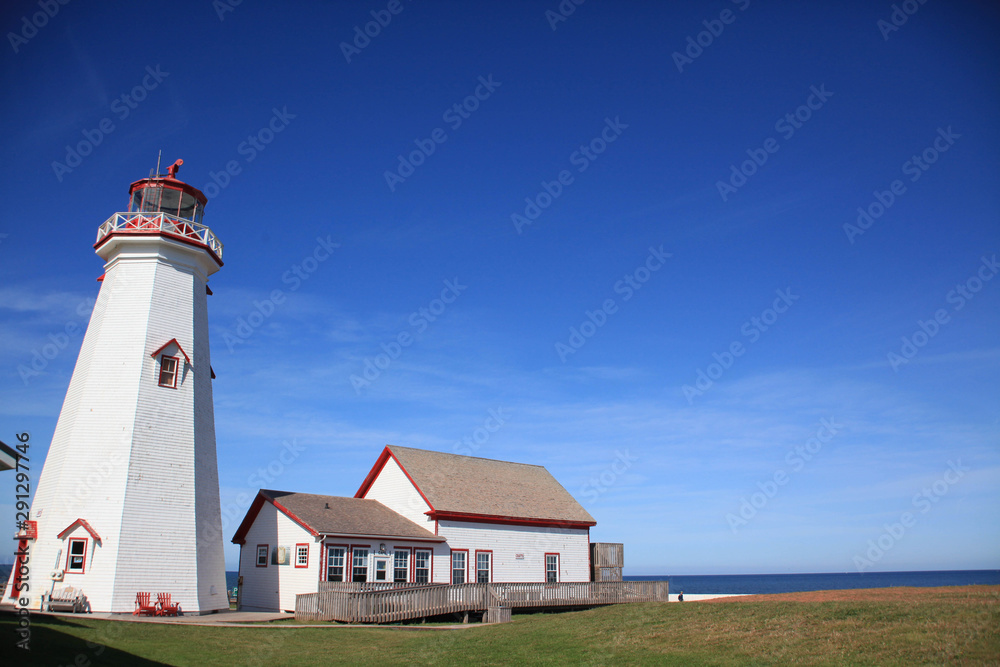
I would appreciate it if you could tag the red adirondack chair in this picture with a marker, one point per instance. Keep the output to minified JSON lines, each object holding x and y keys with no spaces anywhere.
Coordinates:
{"x":166,"y":607}
{"x":143,"y":607}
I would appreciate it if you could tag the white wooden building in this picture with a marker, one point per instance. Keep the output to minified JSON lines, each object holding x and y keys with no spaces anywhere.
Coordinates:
{"x":418,"y":517}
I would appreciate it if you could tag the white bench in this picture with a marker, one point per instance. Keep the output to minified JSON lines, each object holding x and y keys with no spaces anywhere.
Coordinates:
{"x":66,"y":598}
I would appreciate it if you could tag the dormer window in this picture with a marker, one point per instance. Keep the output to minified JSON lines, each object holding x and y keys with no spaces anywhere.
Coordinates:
{"x":77,"y":547}
{"x":76,"y":560}
{"x":170,"y":364}
{"x":168,"y":371}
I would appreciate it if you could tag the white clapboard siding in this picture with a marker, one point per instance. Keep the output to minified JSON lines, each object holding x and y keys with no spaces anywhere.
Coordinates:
{"x":135,"y":460}
{"x":273,"y":588}
{"x":393,"y":489}
{"x":506,"y":542}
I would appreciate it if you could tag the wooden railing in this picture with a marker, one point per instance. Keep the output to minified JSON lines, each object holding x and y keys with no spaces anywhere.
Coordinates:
{"x":356,"y":586}
{"x":368,"y":603}
{"x":163,"y":223}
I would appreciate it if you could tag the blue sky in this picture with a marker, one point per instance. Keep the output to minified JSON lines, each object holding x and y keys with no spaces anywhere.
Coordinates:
{"x":650,"y":245}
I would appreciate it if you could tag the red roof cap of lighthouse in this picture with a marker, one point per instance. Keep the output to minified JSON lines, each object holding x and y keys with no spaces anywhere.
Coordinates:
{"x":170,"y":181}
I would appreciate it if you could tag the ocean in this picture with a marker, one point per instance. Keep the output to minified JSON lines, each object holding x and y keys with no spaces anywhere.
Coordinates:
{"x":794,"y":583}
{"x":780,"y":583}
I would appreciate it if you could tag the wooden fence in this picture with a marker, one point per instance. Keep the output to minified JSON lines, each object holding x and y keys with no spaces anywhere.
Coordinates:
{"x":606,"y":560}
{"x":376,"y":603}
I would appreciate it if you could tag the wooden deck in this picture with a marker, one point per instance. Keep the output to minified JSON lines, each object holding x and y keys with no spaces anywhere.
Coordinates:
{"x":389,"y":603}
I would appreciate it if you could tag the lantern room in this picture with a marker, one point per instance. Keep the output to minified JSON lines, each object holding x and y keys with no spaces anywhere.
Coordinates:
{"x":163,"y":206}
{"x":166,"y":194}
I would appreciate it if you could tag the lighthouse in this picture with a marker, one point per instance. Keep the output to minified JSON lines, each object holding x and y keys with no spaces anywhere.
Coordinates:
{"x":128,"y":498}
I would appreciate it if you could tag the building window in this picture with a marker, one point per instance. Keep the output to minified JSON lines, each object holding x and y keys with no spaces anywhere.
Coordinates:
{"x":483,"y":569}
{"x":400,"y":567}
{"x":262,"y":551}
{"x":458,"y":566}
{"x":551,"y":568}
{"x":301,"y":555}
{"x":359,"y":569}
{"x":168,"y":371}
{"x":381,"y":569}
{"x":76,"y":559}
{"x":422,"y":566}
{"x":335,"y":557}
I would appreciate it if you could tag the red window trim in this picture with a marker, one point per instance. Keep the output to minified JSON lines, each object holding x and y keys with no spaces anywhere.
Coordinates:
{"x":409,"y":563}
{"x":166,"y":345}
{"x":545,"y":566}
{"x":326,"y":559}
{"x":430,"y":563}
{"x":177,"y":371}
{"x":476,"y":570}
{"x":451,"y":566}
{"x":297,"y":545}
{"x":367,"y":569}
{"x":69,"y":555}
{"x":267,"y":556}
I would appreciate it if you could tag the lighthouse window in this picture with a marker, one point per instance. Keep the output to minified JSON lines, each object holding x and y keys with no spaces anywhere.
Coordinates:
{"x":77,"y":556}
{"x":151,"y":199}
{"x":187,"y":206}
{"x":168,"y":371}
{"x":170,"y":201}
{"x":136,"y":202}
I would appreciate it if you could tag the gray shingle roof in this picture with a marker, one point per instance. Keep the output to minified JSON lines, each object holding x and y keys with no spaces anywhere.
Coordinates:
{"x":336,"y":515}
{"x":455,"y":483}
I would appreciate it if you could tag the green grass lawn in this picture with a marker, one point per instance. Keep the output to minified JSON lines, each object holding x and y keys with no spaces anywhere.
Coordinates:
{"x":928,"y":626}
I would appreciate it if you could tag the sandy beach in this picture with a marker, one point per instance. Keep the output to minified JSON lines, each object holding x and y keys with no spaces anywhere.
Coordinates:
{"x":696,"y":597}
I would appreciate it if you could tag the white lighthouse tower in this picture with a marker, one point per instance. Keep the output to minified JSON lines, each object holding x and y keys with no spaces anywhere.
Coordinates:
{"x":128,"y":499}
